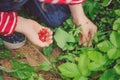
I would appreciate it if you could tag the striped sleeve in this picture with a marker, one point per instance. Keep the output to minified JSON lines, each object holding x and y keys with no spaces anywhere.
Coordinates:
{"x":8,"y":22}
{"x":63,"y":1}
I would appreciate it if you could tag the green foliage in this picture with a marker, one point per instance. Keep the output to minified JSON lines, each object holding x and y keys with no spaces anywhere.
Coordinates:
{"x":96,"y":57}
{"x":106,"y":2}
{"x":19,"y":55}
{"x":45,"y":66}
{"x":63,"y":38}
{"x":104,"y":53}
{"x":67,"y":57}
{"x":40,"y":78}
{"x":104,"y":46}
{"x":7,"y":70}
{"x":1,"y":43}
{"x":83,"y":62}
{"x":5,"y":54}
{"x":91,"y":8}
{"x":1,"y":78}
{"x":113,"y":53}
{"x":114,"y":38}
{"x":117,"y":12}
{"x":47,"y":50}
{"x":109,"y":74}
{"x":116,"y":25}
{"x":69,"y":70}
{"x":117,"y":68}
{"x":80,"y":78}
{"x":24,"y":71}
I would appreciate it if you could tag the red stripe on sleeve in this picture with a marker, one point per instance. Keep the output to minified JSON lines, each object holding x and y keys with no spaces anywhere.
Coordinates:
{"x":3,"y":17}
{"x":63,"y":1}
{"x":8,"y":22}
{"x":77,"y":1}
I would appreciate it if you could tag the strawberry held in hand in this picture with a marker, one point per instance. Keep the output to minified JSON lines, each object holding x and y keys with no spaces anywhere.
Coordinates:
{"x":43,"y":34}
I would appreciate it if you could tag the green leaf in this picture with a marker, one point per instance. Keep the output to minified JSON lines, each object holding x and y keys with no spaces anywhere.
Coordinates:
{"x":1,"y":78}
{"x":1,"y":43}
{"x":109,"y":74}
{"x":1,"y":73}
{"x":7,"y":70}
{"x":70,"y":22}
{"x":33,"y":76}
{"x":45,"y":66}
{"x":47,"y":50}
{"x":117,"y":68}
{"x":91,"y":7}
{"x":116,"y":25}
{"x":83,"y":62}
{"x":40,"y":78}
{"x":24,"y":71}
{"x":94,"y":66}
{"x":106,"y":2}
{"x":62,"y":37}
{"x":52,"y":59}
{"x":118,"y":61}
{"x":117,"y":12}
{"x":68,"y":47}
{"x":77,"y":31}
{"x":96,"y":57}
{"x":97,"y":60}
{"x":69,"y":70}
{"x":113,"y":53}
{"x":104,"y":46}
{"x":19,"y":55}
{"x":80,"y":78}
{"x":69,"y":57}
{"x":22,"y":65}
{"x":5,"y":54}
{"x":115,"y":38}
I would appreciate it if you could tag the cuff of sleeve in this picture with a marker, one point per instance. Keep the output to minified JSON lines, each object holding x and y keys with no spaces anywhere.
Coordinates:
{"x":77,"y":2}
{"x":8,"y":24}
{"x":63,"y":1}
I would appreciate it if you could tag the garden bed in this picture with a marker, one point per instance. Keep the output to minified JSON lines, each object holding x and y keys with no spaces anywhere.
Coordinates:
{"x":101,"y":61}
{"x":33,"y":56}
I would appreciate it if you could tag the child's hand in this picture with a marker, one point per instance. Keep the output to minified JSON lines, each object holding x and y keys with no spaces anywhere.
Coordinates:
{"x":79,"y":18}
{"x":32,"y":29}
{"x":88,"y":31}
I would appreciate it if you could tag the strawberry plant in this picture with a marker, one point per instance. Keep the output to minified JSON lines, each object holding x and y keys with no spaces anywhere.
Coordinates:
{"x":83,"y":63}
{"x":101,"y":61}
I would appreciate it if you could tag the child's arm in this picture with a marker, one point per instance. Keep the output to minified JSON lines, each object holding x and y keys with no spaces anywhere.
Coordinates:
{"x":10,"y":22}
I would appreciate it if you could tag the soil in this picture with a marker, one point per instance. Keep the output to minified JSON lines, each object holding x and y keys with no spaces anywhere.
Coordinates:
{"x":34,"y":57}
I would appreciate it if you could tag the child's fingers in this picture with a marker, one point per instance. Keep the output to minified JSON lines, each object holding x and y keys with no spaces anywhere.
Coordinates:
{"x":84,"y":37}
{"x":81,"y":40}
{"x":49,"y":31}
{"x":48,"y":38}
{"x":50,"y":41}
{"x":92,"y":32}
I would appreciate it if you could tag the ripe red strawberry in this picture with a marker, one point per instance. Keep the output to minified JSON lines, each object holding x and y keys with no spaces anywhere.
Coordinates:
{"x":42,"y":35}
